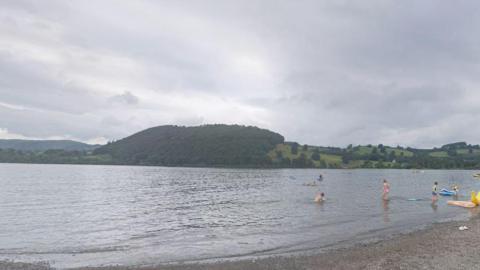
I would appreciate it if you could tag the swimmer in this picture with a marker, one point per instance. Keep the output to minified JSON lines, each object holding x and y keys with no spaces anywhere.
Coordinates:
{"x":320,"y":198}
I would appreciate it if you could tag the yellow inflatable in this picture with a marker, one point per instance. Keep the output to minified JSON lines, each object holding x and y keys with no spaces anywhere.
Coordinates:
{"x":475,"y":198}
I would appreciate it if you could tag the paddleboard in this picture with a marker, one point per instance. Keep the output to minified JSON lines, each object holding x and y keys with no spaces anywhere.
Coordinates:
{"x":462,"y":204}
{"x":445,"y":192}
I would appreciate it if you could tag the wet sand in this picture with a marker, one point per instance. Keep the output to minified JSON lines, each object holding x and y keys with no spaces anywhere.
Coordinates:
{"x":441,"y":246}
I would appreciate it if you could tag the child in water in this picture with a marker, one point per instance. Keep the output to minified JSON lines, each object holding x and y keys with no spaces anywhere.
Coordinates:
{"x":320,"y":198}
{"x":386,"y":189}
{"x":455,"y":189}
{"x":434,"y":192}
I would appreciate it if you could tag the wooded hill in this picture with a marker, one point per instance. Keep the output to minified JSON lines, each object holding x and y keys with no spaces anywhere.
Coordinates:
{"x":209,"y":145}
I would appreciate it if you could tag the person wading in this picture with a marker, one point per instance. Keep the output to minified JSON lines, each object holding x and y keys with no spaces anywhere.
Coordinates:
{"x":386,"y":189}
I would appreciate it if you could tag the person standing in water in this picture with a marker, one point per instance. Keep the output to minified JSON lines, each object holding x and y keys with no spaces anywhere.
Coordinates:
{"x":455,"y":189}
{"x":386,"y":189}
{"x":434,"y":192}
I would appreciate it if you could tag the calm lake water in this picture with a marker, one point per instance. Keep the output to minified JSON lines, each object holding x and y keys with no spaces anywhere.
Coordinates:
{"x":75,"y":215}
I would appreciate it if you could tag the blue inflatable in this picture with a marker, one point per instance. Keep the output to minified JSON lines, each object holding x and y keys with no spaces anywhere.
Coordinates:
{"x":446,"y":192}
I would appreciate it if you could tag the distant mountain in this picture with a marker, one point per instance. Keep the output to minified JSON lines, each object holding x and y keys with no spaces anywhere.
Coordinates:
{"x":44,"y":145}
{"x":208,"y":145}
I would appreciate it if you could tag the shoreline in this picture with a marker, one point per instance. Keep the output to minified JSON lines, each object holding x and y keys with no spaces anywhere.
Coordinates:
{"x":439,"y":246}
{"x":416,"y":170}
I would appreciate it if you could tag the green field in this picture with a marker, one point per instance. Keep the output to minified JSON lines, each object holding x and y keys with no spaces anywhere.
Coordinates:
{"x":366,"y":150}
{"x":467,"y":152}
{"x":369,"y":156}
{"x":332,"y":160}
{"x":286,"y":150}
{"x":439,"y":154}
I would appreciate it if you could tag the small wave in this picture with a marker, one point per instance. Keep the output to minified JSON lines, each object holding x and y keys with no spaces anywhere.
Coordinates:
{"x":63,"y":251}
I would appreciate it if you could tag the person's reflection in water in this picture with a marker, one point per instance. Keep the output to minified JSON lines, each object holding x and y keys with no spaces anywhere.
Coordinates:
{"x":386,"y":216}
{"x":474,"y":212}
{"x":434,"y":207}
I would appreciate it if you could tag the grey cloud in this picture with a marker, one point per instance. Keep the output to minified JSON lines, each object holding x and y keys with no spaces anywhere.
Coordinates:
{"x":39,"y":124}
{"x":27,"y":84}
{"x":110,"y":121}
{"x":319,"y":72}
{"x":126,"y":98}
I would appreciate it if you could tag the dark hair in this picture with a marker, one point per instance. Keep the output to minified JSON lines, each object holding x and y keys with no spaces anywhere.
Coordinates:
{"x":436,"y":183}
{"x":323,"y":194}
{"x":384,"y":180}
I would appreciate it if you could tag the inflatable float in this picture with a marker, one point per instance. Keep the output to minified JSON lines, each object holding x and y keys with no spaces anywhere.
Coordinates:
{"x":475,"y":198}
{"x":446,"y":192}
{"x":462,"y":204}
{"x":474,"y":201}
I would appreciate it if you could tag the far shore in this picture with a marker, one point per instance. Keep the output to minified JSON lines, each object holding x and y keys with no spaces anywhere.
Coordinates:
{"x":240,"y":167}
{"x":440,"y":246}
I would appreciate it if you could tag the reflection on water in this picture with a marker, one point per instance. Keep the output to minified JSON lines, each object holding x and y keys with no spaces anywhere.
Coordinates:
{"x":386,"y":217}
{"x":474,"y":212}
{"x":91,"y":215}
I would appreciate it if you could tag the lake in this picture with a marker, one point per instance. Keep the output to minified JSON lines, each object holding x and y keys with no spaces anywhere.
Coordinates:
{"x":82,"y":215}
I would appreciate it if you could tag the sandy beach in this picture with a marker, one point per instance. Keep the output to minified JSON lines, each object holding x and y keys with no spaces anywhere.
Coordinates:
{"x":441,"y":246}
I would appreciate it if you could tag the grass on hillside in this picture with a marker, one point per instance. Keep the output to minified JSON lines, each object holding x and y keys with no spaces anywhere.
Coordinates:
{"x":362,"y":156}
{"x":366,"y":150}
{"x":331,"y":160}
{"x":444,"y":154}
{"x":466,"y":152}
{"x":286,"y":150}
{"x":439,"y":154}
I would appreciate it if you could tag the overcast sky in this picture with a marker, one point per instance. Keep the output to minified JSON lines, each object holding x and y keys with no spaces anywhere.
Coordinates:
{"x":318,"y":72}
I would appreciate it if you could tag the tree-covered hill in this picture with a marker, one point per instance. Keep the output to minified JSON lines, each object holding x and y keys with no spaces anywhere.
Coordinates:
{"x":208,"y":145}
{"x":43,"y":145}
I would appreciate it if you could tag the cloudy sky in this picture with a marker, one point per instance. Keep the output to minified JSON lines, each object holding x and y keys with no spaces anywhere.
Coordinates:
{"x":318,"y":72}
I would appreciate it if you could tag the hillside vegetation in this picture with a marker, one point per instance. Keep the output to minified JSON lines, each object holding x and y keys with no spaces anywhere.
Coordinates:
{"x":451,"y":156}
{"x":209,"y":145}
{"x":43,"y":145}
{"x":242,"y":146}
